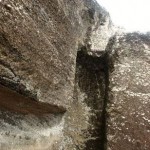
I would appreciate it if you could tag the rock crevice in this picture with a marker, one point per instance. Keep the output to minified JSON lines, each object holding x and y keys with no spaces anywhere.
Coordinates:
{"x":69,"y":80}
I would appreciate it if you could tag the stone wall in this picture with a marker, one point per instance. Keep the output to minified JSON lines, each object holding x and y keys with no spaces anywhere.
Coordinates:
{"x":39,"y":40}
{"x":128,"y":105}
{"x":69,"y":80}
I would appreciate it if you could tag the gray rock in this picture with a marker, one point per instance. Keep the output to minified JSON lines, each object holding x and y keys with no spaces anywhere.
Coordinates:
{"x":129,"y":98}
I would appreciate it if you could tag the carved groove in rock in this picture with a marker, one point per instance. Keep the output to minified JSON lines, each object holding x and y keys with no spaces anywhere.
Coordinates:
{"x":92,"y":77}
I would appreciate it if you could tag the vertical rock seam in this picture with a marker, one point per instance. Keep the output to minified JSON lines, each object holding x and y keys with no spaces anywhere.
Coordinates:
{"x":106,"y":97}
{"x":92,"y":76}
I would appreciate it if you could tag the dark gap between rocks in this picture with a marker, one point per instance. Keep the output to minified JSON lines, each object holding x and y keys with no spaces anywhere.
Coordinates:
{"x":106,"y":98}
{"x":92,"y":76}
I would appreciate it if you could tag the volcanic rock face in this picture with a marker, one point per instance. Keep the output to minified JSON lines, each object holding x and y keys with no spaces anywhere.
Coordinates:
{"x":68,"y":82}
{"x":39,"y":41}
{"x":129,"y":102}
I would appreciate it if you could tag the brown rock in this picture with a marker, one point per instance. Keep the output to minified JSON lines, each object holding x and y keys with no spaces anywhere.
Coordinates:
{"x":39,"y":41}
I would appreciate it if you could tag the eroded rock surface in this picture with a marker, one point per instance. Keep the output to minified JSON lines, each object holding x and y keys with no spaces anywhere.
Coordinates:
{"x":69,"y":80}
{"x":39,"y":41}
{"x":129,"y":101}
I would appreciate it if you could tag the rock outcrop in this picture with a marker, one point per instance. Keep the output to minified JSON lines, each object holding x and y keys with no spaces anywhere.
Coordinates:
{"x":39,"y":41}
{"x":68,"y":81}
{"x":129,"y":96}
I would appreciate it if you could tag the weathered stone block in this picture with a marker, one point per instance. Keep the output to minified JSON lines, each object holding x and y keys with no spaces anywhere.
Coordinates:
{"x":129,"y":99}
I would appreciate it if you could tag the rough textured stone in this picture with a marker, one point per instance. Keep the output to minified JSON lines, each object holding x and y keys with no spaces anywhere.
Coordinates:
{"x":39,"y":40}
{"x":70,"y":80}
{"x":38,"y":37}
{"x":129,"y":99}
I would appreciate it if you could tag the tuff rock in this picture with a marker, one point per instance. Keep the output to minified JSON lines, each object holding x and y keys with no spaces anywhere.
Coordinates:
{"x":128,"y":122}
{"x":70,"y":79}
{"x":39,"y":41}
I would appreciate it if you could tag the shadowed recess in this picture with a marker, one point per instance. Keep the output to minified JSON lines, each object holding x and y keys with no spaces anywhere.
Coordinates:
{"x":17,"y":103}
{"x":91,"y":80}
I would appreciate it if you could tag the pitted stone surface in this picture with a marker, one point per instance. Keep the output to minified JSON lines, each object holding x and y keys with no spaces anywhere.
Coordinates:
{"x":39,"y":41}
{"x":129,"y":102}
{"x":105,"y":86}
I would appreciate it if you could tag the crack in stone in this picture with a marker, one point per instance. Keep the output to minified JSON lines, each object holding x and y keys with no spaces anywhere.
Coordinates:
{"x":95,"y":83}
{"x":106,"y":98}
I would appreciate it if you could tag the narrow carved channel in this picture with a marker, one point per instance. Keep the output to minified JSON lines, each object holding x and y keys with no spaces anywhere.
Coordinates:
{"x":106,"y":98}
{"x":92,"y":76}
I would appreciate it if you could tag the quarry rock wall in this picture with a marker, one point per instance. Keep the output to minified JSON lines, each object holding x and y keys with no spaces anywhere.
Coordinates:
{"x":69,"y":80}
